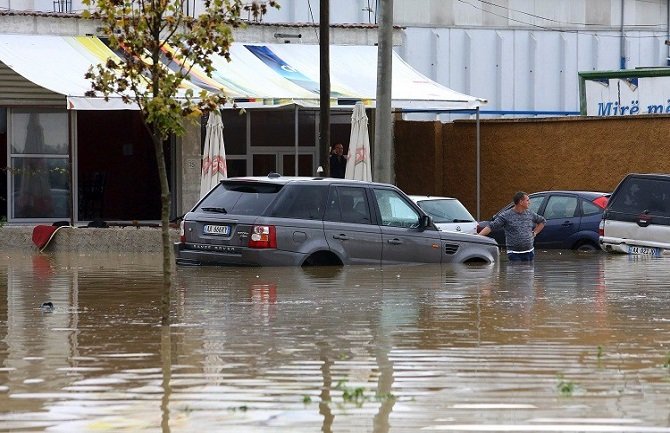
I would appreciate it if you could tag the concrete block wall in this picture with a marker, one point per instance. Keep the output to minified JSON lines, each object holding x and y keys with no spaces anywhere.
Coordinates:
{"x":87,"y":239}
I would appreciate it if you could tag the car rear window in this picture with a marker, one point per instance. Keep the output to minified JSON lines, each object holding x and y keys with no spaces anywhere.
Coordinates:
{"x":446,"y":211}
{"x":589,"y":208}
{"x":642,"y":194}
{"x":240,"y":198}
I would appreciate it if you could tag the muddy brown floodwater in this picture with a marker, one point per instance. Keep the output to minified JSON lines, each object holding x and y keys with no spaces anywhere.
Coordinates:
{"x":572,"y":343}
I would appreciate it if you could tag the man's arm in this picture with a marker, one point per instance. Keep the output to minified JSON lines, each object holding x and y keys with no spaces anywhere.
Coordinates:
{"x":485,"y":231}
{"x":538,"y":228}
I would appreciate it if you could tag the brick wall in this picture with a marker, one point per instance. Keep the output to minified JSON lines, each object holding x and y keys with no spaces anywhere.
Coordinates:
{"x":527,"y":154}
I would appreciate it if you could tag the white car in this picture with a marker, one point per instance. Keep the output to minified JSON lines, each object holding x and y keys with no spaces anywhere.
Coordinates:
{"x":448,"y":213}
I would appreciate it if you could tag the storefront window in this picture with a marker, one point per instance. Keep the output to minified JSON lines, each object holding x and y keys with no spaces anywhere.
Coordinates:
{"x":272,"y":128}
{"x":235,"y":132}
{"x":276,"y":128}
{"x":39,"y":164}
{"x":41,"y":187}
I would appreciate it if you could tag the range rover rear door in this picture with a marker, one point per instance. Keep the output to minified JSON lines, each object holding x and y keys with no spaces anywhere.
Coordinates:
{"x":350,"y":229}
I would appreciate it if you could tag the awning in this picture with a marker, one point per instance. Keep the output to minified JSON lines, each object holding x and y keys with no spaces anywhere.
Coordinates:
{"x":259,"y":75}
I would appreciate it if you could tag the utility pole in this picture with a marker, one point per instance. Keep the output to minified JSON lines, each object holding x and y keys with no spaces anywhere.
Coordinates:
{"x":324,"y":82}
{"x":382,"y":169}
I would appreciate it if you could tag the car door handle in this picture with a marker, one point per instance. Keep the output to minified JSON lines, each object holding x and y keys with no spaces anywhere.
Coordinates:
{"x":341,"y":237}
{"x":395,"y":241}
{"x":566,"y":224}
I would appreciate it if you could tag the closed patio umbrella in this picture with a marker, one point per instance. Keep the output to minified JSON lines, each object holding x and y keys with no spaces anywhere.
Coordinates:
{"x":214,"y":155}
{"x":358,"y":162}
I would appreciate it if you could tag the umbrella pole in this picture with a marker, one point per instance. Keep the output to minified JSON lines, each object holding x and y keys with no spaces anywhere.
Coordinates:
{"x":295,"y":122}
{"x":72,"y":118}
{"x":479,"y":186}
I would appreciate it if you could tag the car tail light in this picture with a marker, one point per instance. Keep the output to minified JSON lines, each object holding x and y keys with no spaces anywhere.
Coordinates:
{"x":263,"y":237}
{"x":182,"y":233}
{"x":601,"y":202}
{"x":601,"y":228}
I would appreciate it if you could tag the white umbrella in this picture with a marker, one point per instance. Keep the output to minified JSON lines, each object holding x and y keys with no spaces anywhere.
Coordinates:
{"x":358,"y":162}
{"x":214,"y":156}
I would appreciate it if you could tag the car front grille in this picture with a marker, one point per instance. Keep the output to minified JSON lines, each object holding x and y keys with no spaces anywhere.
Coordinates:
{"x":450,"y":249}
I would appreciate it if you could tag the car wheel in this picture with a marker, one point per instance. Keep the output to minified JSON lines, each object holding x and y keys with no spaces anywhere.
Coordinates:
{"x":322,"y":258}
{"x":586,"y":247}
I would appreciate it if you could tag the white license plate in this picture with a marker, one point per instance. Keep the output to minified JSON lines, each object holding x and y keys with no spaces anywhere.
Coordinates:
{"x":645,"y":251}
{"x":211,"y":229}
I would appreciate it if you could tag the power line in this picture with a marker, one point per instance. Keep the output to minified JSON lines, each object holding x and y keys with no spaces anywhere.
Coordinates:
{"x":311,"y":14}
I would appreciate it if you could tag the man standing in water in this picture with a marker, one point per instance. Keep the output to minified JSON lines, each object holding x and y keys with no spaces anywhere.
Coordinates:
{"x":521,"y":226}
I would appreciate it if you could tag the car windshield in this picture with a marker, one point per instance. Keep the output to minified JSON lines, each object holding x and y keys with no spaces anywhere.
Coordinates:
{"x":240,"y":198}
{"x":446,"y":211}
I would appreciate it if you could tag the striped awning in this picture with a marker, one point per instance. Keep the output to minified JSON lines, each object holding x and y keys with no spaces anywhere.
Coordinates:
{"x":258,"y":75}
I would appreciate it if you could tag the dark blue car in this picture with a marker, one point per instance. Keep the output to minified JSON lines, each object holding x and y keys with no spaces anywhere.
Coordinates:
{"x":572,"y":219}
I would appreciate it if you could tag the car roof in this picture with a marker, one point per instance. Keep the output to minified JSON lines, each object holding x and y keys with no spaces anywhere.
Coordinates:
{"x":577,"y":192}
{"x":649,"y":175}
{"x":430,"y":197}
{"x":276,"y":178}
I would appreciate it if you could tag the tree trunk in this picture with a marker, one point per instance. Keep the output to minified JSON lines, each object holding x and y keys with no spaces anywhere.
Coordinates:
{"x":165,"y":230}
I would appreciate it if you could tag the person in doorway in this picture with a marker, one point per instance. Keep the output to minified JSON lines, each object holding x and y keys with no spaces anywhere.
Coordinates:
{"x":338,"y":162}
{"x":521,"y":225}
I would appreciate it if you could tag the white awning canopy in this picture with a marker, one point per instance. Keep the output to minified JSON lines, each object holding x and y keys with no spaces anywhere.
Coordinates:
{"x":259,"y":75}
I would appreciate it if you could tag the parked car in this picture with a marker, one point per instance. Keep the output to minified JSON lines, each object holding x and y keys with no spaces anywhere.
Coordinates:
{"x":637,"y":218}
{"x":277,"y":221}
{"x":573,"y":219}
{"x":448,"y":213}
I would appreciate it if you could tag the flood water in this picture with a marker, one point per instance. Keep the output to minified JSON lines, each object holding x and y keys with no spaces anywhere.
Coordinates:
{"x":574,"y":343}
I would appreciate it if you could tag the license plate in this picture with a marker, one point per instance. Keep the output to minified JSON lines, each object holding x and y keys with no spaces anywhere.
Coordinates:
{"x":645,"y":251}
{"x":211,"y":229}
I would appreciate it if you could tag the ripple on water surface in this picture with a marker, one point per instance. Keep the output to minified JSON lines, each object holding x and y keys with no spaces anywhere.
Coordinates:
{"x":574,"y":342}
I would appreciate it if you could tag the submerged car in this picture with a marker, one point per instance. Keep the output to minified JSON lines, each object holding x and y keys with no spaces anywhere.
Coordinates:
{"x":637,"y":218}
{"x":300,"y":221}
{"x":448,"y":213}
{"x":573,"y":219}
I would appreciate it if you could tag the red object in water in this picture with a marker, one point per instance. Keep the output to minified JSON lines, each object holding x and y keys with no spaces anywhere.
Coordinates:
{"x":43,"y":234}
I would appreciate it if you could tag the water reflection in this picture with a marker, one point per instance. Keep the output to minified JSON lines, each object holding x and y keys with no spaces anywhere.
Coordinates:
{"x":570,"y":343}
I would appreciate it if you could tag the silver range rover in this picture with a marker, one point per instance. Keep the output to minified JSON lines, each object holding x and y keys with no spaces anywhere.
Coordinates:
{"x":300,"y":221}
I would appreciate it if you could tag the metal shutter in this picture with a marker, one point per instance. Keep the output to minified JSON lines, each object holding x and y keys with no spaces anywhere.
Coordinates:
{"x":16,"y":90}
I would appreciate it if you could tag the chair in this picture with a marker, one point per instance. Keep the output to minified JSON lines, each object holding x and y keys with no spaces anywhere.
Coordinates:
{"x":361,"y":208}
{"x":91,"y":195}
{"x":353,"y":213}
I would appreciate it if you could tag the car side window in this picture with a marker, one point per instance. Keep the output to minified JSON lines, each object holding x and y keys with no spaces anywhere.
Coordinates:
{"x":559,"y":206}
{"x":536,"y":203}
{"x":301,"y":202}
{"x":348,"y":204}
{"x":394,"y":210}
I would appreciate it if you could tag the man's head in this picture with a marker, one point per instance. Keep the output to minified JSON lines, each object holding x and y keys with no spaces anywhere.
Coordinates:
{"x":338,"y":149}
{"x":521,"y":199}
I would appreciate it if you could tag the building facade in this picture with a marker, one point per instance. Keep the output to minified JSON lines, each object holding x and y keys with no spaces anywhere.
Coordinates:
{"x":63,"y":159}
{"x":63,"y":162}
